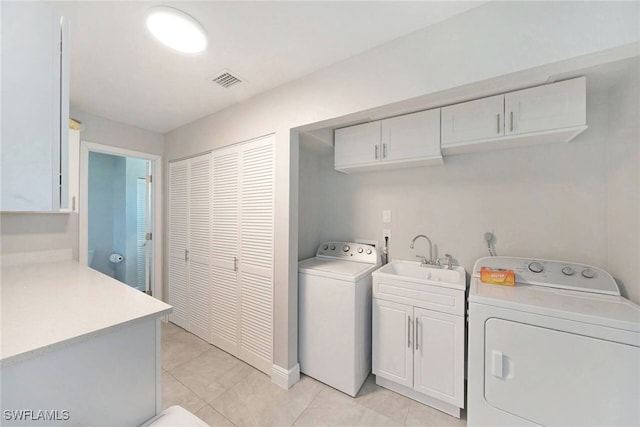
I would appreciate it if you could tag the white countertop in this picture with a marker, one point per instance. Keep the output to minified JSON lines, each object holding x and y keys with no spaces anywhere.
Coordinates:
{"x":52,"y":304}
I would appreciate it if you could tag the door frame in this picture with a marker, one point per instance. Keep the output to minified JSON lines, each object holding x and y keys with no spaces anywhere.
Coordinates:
{"x":156,"y":187}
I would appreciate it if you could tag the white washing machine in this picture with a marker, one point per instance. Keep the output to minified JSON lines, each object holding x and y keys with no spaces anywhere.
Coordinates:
{"x":334,"y":314}
{"x":559,"y":348}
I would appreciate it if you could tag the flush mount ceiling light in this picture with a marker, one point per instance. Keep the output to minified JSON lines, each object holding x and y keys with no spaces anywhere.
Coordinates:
{"x":176,"y":29}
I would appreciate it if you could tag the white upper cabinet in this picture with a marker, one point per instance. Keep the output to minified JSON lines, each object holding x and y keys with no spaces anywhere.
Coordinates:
{"x":357,"y":145}
{"x":553,"y":106}
{"x":412,"y":137}
{"x":408,"y":140}
{"x":473,"y":120}
{"x":539,"y":115}
{"x":35,"y":108}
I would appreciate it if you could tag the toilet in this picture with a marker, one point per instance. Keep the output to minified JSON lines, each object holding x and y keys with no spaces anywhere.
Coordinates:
{"x":175,"y":416}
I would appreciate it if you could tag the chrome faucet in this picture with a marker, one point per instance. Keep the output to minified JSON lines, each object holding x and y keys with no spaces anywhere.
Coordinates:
{"x":425,"y":261}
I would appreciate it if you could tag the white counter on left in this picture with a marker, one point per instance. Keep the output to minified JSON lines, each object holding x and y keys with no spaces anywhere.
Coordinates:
{"x":52,"y":304}
{"x":78,"y":348}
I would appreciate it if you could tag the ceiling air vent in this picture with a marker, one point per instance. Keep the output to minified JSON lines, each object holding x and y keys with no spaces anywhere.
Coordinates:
{"x":226,"y":79}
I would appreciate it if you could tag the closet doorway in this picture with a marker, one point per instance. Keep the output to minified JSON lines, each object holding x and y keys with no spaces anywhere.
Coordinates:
{"x":119,"y":227}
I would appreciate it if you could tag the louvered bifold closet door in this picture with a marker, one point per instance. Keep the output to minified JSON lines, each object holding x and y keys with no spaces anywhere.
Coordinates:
{"x":178,"y":214}
{"x":199,"y":245}
{"x":224,"y":250}
{"x":256,"y":252}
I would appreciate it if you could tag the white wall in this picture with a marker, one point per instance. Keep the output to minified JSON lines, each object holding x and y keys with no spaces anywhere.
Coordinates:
{"x":25,"y":232}
{"x":623,"y":184}
{"x":493,"y":40}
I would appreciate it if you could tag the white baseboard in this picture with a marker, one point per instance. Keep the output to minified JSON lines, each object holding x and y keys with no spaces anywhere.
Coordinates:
{"x":285,"y":378}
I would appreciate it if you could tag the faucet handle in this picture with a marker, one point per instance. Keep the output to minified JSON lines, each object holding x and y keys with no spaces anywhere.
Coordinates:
{"x":423,"y":259}
{"x":448,"y":260}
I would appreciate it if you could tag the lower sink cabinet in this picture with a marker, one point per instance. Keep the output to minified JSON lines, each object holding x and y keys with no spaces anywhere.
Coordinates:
{"x":419,"y":353}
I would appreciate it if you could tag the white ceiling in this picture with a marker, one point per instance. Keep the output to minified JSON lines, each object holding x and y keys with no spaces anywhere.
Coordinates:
{"x":119,"y":72}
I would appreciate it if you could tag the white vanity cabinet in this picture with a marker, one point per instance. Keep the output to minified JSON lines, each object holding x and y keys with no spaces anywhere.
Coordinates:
{"x":402,"y":141}
{"x":543,"y":114}
{"x":418,"y":342}
{"x":35,"y":108}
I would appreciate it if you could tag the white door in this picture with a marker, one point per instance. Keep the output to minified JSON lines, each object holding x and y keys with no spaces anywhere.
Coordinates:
{"x":439,"y":356}
{"x":552,"y":377}
{"x":357,"y":145}
{"x":393,"y":341}
{"x":225,"y":249}
{"x":256,"y":252}
{"x":178,"y":214}
{"x":473,"y":120}
{"x":411,"y":136}
{"x":547,"y":107}
{"x":199,"y":244}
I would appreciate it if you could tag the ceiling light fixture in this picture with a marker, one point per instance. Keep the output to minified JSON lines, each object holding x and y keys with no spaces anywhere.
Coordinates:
{"x":176,"y":29}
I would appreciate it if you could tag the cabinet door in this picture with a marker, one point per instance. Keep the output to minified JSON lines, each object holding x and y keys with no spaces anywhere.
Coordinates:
{"x":224,"y":250}
{"x":393,"y":341}
{"x":199,"y":238}
{"x":473,"y":120}
{"x":34,"y":105}
{"x":178,"y":215}
{"x":74,"y":171}
{"x":412,"y":136}
{"x":357,"y":145}
{"x":439,"y":356}
{"x":256,"y":235}
{"x":547,"y":107}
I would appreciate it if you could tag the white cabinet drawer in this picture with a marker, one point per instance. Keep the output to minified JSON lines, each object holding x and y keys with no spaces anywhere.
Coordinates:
{"x":436,"y":298}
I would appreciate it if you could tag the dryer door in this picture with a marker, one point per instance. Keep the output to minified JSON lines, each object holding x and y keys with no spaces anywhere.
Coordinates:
{"x":552,"y":377}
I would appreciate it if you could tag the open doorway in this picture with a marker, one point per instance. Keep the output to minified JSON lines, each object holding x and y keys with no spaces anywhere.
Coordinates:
{"x":118,"y":220}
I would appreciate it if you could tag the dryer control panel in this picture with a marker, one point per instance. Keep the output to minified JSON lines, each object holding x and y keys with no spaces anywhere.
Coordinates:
{"x":553,"y":274}
{"x":358,"y":252}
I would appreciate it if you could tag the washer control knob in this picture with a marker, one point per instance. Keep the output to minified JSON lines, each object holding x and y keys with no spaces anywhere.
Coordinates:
{"x":588,"y":273}
{"x":360,"y":250}
{"x":368,"y":251}
{"x":568,"y":271}
{"x":536,"y":267}
{"x":346,"y":248}
{"x":325,"y":247}
{"x":333,"y":247}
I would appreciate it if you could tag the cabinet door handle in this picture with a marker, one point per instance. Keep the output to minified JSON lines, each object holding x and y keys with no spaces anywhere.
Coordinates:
{"x":498,"y":123}
{"x":416,"y":331}
{"x":409,"y":331}
{"x":186,"y":255}
{"x":384,"y":151}
{"x":511,"y":122}
{"x":376,"y":155}
{"x":235,"y":263}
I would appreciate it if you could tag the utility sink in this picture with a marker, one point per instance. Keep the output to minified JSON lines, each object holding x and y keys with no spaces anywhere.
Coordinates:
{"x":412,"y":271}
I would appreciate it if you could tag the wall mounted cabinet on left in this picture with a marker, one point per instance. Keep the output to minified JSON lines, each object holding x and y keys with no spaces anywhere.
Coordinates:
{"x":35,"y":108}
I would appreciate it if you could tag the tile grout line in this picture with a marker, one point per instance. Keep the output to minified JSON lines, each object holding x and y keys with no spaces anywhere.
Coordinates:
{"x":308,"y":404}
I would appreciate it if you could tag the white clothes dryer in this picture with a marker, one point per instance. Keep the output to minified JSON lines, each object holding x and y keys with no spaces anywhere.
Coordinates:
{"x":561,"y":347}
{"x":334,"y":314}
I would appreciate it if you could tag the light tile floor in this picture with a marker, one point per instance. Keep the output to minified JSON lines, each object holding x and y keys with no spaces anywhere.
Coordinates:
{"x":224,"y":391}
